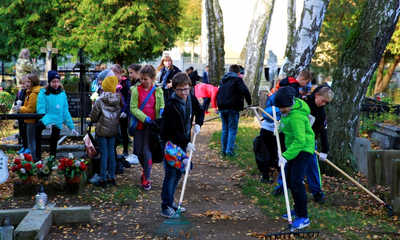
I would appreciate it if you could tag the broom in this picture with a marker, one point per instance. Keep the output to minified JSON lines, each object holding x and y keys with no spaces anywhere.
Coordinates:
{"x":291,"y":234}
{"x":177,"y":226}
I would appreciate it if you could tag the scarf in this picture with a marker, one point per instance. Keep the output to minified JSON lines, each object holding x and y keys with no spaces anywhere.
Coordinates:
{"x":164,"y":80}
{"x":55,"y":91}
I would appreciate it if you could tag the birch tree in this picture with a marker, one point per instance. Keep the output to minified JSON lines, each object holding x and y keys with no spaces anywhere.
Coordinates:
{"x":291,"y":24}
{"x":254,"y":51}
{"x":216,"y":41}
{"x":305,"y":40}
{"x":359,"y":60}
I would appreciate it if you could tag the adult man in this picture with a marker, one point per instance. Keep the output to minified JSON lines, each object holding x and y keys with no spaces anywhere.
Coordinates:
{"x":230,"y":102}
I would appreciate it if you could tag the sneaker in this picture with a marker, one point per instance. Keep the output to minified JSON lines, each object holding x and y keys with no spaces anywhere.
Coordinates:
{"x":301,"y":222}
{"x":206,"y":112}
{"x":278,"y":192}
{"x":125,"y":154}
{"x":175,"y":207}
{"x":167,"y":213}
{"x":146,"y":185}
{"x":111,"y":182}
{"x":21,"y":151}
{"x":319,"y":197}
{"x":267,"y":180}
{"x":101,"y":183}
{"x":27,"y":151}
{"x":223,"y":154}
{"x":232,"y":154}
{"x":293,"y":213}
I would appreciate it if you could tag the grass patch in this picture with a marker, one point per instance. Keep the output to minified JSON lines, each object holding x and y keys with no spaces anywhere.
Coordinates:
{"x":345,"y":213}
{"x":118,"y":194}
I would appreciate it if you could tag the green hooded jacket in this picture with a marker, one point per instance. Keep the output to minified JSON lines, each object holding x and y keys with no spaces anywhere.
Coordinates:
{"x":299,"y":135}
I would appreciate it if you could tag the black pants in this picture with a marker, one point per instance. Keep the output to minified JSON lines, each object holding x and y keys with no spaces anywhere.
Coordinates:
{"x":269,"y":139}
{"x":55,"y":135}
{"x":22,"y":133}
{"x":123,"y":125}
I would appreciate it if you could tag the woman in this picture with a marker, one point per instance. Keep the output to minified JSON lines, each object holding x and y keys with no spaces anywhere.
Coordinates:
{"x":23,"y":66}
{"x":167,"y":71}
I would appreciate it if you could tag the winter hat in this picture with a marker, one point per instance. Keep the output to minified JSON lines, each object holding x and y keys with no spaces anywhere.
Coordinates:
{"x":110,"y":82}
{"x":103,"y":74}
{"x":284,"y":97}
{"x":51,"y":75}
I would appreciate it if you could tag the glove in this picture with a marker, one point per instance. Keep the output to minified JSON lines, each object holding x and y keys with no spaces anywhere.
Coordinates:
{"x":49,"y":127}
{"x":74,"y":132}
{"x":197,"y":128}
{"x":190,"y":147}
{"x":161,"y":111}
{"x":123,"y":115}
{"x":19,"y":102}
{"x":322,"y":156}
{"x":148,"y":120}
{"x":17,"y":108}
{"x":282,"y":161}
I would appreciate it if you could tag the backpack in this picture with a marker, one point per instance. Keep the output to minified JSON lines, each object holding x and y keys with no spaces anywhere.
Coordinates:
{"x":261,"y":153}
{"x":155,"y":140}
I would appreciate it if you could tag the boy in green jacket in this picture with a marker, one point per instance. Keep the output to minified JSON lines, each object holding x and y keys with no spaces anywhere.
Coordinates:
{"x":299,"y":142}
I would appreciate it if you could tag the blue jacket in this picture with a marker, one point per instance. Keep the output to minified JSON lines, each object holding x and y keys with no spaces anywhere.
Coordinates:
{"x":55,"y":108}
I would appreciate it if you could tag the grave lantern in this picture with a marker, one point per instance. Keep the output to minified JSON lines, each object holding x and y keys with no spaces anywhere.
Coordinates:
{"x":41,"y":198}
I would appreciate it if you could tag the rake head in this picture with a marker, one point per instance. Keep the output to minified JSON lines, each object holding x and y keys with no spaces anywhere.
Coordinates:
{"x":390,"y":210}
{"x":176,"y":227}
{"x":292,"y":235}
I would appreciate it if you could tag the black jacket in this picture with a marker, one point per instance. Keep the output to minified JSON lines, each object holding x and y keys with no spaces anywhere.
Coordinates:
{"x":231,"y":92}
{"x":173,"y":129}
{"x":320,"y":124}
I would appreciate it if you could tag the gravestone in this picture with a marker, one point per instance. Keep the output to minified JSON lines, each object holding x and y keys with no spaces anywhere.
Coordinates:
{"x":360,"y":149}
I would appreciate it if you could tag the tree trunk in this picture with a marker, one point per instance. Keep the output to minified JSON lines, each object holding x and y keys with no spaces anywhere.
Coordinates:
{"x":379,"y":76}
{"x":254,"y":49}
{"x":389,"y":73}
{"x":305,"y":40}
{"x":359,"y":60}
{"x":291,"y":27}
{"x":216,"y":41}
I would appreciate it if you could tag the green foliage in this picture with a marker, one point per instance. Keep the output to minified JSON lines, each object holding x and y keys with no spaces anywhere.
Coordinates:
{"x":6,"y":101}
{"x":190,"y":22}
{"x":120,"y":31}
{"x":340,"y":17}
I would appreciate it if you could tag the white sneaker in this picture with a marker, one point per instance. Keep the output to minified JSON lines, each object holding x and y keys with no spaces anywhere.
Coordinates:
{"x":175,"y":207}
{"x":167,"y":213}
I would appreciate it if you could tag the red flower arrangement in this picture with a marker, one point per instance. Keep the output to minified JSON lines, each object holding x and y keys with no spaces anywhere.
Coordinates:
{"x":71,"y":166}
{"x":24,"y":166}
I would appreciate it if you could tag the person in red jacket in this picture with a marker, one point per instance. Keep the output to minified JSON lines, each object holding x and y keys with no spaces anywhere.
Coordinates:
{"x":208,"y":93}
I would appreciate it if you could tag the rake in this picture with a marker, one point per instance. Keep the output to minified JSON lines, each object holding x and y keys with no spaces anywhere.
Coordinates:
{"x":177,"y":226}
{"x":291,"y":233}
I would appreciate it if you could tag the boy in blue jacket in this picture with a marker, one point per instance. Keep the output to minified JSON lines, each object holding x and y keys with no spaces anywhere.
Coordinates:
{"x":299,"y":141}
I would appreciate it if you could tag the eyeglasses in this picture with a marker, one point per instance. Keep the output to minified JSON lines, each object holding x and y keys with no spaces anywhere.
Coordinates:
{"x":181,"y":90}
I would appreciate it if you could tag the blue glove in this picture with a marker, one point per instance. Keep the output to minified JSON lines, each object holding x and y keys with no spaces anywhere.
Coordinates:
{"x":161,"y":111}
{"x":148,"y":120}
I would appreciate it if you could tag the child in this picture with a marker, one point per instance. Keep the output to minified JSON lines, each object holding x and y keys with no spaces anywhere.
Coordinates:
{"x":302,"y":80}
{"x":134,"y":73}
{"x":106,"y":112}
{"x":299,"y":142}
{"x":123,"y":88}
{"x":52,"y":101}
{"x":33,"y":88}
{"x":180,"y":109}
{"x":316,"y":101}
{"x":18,"y":102}
{"x":208,"y":93}
{"x":154,"y":107}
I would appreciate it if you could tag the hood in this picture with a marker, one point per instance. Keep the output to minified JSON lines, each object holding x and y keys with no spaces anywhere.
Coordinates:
{"x":301,"y":107}
{"x":110,"y":98}
{"x":287,"y":81}
{"x":228,"y":75}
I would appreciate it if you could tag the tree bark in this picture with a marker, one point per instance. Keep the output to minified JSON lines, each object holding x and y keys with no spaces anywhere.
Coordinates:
{"x":291,"y":27}
{"x":379,"y":75}
{"x":359,"y":60}
{"x":216,"y":41}
{"x":254,"y":50}
{"x":384,"y":82}
{"x":304,"y":43}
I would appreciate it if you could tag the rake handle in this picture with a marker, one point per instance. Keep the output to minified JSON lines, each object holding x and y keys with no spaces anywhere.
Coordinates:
{"x":187,"y":172}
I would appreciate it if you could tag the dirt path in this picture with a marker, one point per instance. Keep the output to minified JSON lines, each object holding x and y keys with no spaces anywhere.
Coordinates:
{"x":213,"y":199}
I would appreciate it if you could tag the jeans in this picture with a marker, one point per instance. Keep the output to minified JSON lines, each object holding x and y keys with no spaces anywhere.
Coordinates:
{"x":171,"y":180}
{"x":106,"y":147}
{"x":295,"y":171}
{"x":31,"y":133}
{"x":55,"y":135}
{"x":230,"y":122}
{"x":314,"y":175}
{"x":206,"y":103}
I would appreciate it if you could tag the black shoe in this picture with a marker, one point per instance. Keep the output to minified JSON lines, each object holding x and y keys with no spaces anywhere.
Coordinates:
{"x":223,"y":154}
{"x":278,"y":192}
{"x":111,"y":182}
{"x":229,"y":155}
{"x":267,"y":180}
{"x":101,"y":183}
{"x":319,"y":197}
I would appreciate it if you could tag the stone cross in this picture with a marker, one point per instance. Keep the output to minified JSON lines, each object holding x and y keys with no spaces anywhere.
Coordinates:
{"x":49,"y":50}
